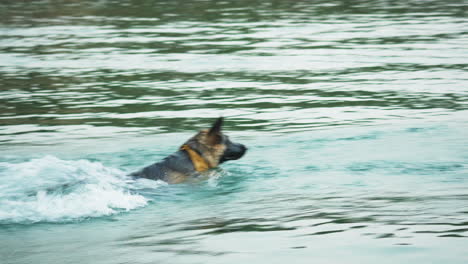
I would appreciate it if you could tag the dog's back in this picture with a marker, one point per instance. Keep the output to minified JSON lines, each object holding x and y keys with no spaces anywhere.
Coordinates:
{"x":172,"y":169}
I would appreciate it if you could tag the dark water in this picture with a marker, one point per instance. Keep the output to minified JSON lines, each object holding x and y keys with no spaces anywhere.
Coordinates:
{"x":355,"y":114}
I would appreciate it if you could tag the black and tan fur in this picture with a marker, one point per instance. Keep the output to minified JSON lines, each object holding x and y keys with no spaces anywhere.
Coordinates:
{"x":206,"y":150}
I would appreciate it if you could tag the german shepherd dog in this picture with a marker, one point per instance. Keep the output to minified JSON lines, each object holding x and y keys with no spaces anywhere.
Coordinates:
{"x":206,"y":150}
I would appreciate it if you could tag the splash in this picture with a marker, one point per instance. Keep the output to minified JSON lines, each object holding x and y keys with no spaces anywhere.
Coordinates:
{"x":50,"y":189}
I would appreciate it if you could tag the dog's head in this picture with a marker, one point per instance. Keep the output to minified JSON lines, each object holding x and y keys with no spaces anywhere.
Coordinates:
{"x":214,"y":146}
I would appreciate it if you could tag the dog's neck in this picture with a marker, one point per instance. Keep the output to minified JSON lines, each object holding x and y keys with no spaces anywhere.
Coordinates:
{"x":199,"y":163}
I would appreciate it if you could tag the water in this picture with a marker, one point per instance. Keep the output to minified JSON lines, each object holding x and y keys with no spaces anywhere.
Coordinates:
{"x":354,"y":113}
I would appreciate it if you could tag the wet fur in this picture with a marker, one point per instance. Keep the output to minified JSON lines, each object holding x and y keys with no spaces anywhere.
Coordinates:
{"x":211,"y":144}
{"x":212,"y":153}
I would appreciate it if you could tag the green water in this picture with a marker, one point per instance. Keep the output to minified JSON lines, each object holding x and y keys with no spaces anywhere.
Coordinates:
{"x":354,"y":112}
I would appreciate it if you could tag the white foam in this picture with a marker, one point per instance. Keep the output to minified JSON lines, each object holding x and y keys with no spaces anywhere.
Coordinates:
{"x":54,"y":190}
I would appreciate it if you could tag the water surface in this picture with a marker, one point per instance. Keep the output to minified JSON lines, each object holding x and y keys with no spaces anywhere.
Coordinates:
{"x":354,"y":113}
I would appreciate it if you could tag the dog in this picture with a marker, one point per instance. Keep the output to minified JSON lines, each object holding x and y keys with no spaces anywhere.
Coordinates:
{"x":204,"y":151}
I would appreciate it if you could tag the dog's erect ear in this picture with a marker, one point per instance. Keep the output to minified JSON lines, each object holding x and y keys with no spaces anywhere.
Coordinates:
{"x":216,"y":128}
{"x":215,"y":131}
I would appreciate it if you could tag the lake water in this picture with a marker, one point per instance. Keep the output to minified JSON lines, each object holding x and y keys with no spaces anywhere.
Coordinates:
{"x":355,"y":114}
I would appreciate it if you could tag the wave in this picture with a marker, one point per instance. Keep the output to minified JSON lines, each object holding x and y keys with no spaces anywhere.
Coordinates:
{"x":50,"y":189}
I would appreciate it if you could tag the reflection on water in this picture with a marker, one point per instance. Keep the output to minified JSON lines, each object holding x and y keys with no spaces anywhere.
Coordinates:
{"x":267,"y":65}
{"x":354,"y":113}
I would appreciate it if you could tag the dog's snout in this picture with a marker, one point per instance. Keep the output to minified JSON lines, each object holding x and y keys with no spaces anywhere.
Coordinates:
{"x":244,"y":148}
{"x":233,"y":152}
